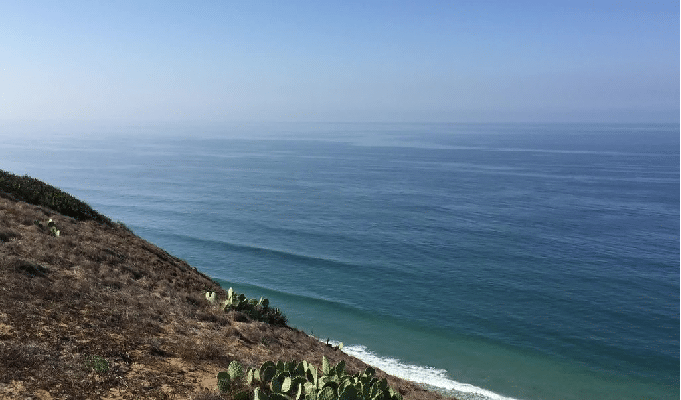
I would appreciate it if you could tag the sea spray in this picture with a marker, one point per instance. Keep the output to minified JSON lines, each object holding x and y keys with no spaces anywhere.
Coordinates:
{"x":431,"y":378}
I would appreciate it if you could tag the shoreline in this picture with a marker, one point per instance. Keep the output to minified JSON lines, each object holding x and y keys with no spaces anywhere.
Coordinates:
{"x":434,"y":378}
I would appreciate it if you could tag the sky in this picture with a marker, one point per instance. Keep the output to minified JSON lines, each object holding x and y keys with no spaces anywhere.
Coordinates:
{"x":347,"y":61}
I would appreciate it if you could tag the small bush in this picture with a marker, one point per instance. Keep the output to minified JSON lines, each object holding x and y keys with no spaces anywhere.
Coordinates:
{"x":258,"y":310}
{"x":98,"y":364}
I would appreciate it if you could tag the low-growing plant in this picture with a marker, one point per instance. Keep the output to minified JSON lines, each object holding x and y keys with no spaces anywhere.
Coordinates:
{"x":258,"y":310}
{"x":223,"y":385}
{"x":301,"y":381}
{"x":53,"y":228}
{"x":50,"y":225}
{"x":98,"y":364}
{"x":232,"y":381}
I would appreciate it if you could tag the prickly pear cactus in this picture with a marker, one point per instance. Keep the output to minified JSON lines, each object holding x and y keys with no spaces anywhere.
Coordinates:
{"x":327,"y":393}
{"x":299,"y":392}
{"x":267,"y":371}
{"x":312,"y":395}
{"x":281,"y":383}
{"x":339,"y":369}
{"x":299,"y":370}
{"x":279,"y":396}
{"x":349,"y":392}
{"x":223,"y":381}
{"x":53,"y":228}
{"x":326,"y":370}
{"x":260,"y":395}
{"x":294,"y":380}
{"x":312,"y":374}
{"x":250,"y":376}
{"x":394,"y":394}
{"x":210,"y":296}
{"x":235,"y":370}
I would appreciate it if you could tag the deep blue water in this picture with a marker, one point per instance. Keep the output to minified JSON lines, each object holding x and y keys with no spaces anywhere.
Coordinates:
{"x":529,"y":261}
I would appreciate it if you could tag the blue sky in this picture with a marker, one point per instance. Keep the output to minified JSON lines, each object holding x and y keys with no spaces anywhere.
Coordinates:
{"x":468,"y":61}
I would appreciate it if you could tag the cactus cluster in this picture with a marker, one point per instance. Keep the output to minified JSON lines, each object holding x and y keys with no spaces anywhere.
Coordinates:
{"x":51,"y":226}
{"x":302,"y":381}
{"x":259,"y":310}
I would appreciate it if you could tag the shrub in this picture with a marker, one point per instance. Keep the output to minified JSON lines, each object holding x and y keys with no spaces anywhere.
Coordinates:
{"x":98,"y":364}
{"x":34,"y":191}
{"x":258,"y":310}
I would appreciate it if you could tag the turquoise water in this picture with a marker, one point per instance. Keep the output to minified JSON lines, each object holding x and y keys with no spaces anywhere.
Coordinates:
{"x":518,"y":261}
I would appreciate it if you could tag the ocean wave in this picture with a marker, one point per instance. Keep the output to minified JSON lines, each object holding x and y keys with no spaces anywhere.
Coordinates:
{"x":265,"y":252}
{"x":320,"y":265}
{"x":433,"y":378}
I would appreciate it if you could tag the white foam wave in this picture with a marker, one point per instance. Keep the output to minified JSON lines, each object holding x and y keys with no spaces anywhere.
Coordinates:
{"x":428,"y":376}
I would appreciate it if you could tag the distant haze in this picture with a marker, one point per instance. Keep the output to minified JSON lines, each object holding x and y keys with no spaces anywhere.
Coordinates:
{"x":458,"y":61}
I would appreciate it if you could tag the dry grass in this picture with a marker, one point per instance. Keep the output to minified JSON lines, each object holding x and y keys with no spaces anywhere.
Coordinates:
{"x":100,"y":313}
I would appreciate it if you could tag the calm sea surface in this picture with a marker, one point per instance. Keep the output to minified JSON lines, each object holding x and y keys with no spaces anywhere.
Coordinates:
{"x":520,"y":261}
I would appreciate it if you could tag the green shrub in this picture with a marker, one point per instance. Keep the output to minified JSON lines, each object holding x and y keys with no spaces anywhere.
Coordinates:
{"x":34,"y":191}
{"x":98,"y":364}
{"x":258,"y":310}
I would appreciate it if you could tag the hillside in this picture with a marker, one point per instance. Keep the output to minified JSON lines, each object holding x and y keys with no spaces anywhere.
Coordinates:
{"x":88,"y":310}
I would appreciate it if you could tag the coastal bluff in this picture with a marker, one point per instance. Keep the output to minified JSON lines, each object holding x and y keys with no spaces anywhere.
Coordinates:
{"x":89,"y":310}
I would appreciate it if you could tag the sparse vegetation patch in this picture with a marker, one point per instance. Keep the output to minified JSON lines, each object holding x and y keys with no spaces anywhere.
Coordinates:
{"x":98,"y":364}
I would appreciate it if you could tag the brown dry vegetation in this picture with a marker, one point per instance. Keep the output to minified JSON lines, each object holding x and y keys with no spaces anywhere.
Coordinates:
{"x":100,"y":313}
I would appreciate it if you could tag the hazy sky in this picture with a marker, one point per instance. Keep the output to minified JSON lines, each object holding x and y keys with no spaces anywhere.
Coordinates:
{"x":340,"y":61}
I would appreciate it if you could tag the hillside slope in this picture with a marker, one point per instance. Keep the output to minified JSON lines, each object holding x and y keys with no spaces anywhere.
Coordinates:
{"x":97,"y":312}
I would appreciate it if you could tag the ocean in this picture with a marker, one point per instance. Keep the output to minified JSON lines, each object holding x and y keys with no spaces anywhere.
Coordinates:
{"x":488,"y":261}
